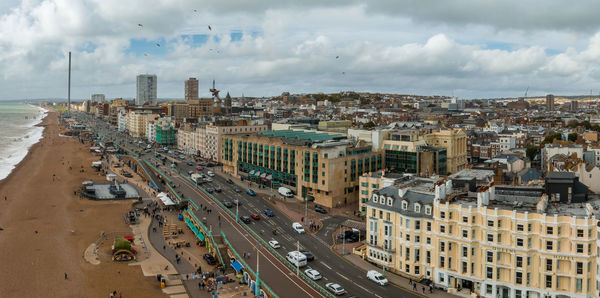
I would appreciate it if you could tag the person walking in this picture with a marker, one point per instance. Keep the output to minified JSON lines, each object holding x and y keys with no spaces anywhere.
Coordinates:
{"x":414,"y":286}
{"x":66,"y":276}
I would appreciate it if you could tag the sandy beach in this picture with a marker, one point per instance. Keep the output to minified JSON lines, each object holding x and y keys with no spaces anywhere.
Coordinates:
{"x":47,"y":228}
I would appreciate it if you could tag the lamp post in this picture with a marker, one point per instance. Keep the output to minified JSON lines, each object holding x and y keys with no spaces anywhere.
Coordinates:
{"x":343,"y":241}
{"x":257,"y":285}
{"x":237,"y":209}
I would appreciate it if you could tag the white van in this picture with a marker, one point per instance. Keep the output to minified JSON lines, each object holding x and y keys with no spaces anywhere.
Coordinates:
{"x":297,"y":258}
{"x":298,"y":228}
{"x":286,"y":192}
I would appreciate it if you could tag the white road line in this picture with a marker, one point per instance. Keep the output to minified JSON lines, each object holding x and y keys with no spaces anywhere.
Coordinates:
{"x":366,"y":290}
{"x":325,"y":265}
{"x":343,"y":276}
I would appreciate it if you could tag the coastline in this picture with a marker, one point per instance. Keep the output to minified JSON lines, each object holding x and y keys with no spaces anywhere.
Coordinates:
{"x":47,"y":228}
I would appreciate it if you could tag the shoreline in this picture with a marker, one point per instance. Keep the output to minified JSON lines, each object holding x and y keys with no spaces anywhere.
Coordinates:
{"x":46,"y":228}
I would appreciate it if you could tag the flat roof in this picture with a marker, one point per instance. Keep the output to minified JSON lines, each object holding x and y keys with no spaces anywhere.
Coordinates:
{"x":302,"y":135}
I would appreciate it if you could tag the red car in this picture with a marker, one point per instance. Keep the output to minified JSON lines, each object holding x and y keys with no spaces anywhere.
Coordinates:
{"x":199,"y":168}
{"x":255,"y":216}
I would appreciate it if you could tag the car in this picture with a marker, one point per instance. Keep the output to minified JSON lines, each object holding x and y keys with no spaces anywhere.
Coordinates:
{"x":229,"y":181}
{"x":228,"y":204}
{"x":335,"y":288}
{"x":298,"y":228}
{"x":199,"y":168}
{"x":268,"y":212}
{"x":255,"y":216}
{"x":210,"y":190}
{"x":245,"y":219}
{"x":207,"y":179}
{"x":209,"y":259}
{"x":274,"y":244}
{"x":250,"y":192}
{"x":377,"y":277}
{"x":313,"y":274}
{"x":190,"y":173}
{"x":320,"y":209}
{"x":237,"y":189}
{"x":308,"y":254}
{"x":237,"y":202}
{"x":210,"y":173}
{"x":189,"y":163}
{"x":218,"y":189}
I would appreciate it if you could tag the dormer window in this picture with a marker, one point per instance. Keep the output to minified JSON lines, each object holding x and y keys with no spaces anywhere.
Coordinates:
{"x":404,"y":205}
{"x":374,"y":198}
{"x":428,"y":210}
{"x":390,"y":201}
{"x":418,"y":208}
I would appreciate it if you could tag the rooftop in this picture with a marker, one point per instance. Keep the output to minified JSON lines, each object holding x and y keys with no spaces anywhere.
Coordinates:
{"x":311,"y":136}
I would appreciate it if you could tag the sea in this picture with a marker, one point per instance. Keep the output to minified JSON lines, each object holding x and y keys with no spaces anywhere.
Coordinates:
{"x":17,"y":132}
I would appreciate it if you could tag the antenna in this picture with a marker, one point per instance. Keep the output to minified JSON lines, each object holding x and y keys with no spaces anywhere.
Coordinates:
{"x":69,"y":89}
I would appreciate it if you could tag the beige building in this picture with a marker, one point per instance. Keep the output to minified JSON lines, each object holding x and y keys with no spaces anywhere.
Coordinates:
{"x":191,"y":89}
{"x":137,"y":122}
{"x":502,"y":242}
{"x":322,"y":166}
{"x":373,"y":181}
{"x":455,"y":142}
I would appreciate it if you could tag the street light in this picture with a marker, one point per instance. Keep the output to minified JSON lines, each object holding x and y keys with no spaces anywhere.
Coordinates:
{"x":257,"y":285}
{"x":237,"y":209}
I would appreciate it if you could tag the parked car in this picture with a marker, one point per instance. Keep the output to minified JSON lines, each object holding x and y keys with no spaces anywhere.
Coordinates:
{"x":245,"y":219}
{"x":218,"y":189}
{"x":298,"y":228}
{"x":190,"y":173}
{"x":237,"y":189}
{"x":250,"y":192}
{"x":274,"y":244}
{"x":269,"y":212}
{"x":210,"y":173}
{"x":335,"y":288}
{"x":255,"y":216}
{"x":320,"y":209}
{"x":313,"y":274}
{"x":199,"y":168}
{"x":228,"y":204}
{"x":229,"y":181}
{"x":209,"y":259}
{"x":237,"y":202}
{"x":377,"y":277}
{"x":309,"y":255}
{"x":210,"y":190}
{"x":189,"y":163}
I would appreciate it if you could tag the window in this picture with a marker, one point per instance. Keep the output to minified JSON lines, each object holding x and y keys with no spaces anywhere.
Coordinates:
{"x":549,"y":265}
{"x":579,"y":233}
{"x":442,"y":262}
{"x":428,"y":240}
{"x":404,"y":205}
{"x":428,"y":257}
{"x":417,"y":239}
{"x":519,"y":262}
{"x":427,"y":210}
{"x":407,"y":223}
{"x":490,"y":256}
{"x":442,"y":229}
{"x":520,"y":227}
{"x":519,"y":278}
{"x":549,"y":230}
{"x":528,"y":227}
{"x":579,"y":268}
{"x":548,"y":281}
{"x":465,"y":252}
{"x":548,"y":245}
{"x":490,"y":223}
{"x":499,"y":238}
{"x":465,"y":234}
{"x":417,"y":208}
{"x":465,"y":219}
{"x":428,"y":226}
{"x":417,"y":224}
{"x":442,"y":246}
{"x":442,"y":214}
{"x":407,"y":237}
{"x":579,"y":248}
{"x":490,"y":237}
{"x":407,"y":268}
{"x":489,"y":272}
{"x":520,"y":242}
{"x":464,"y":267}
{"x":578,"y":284}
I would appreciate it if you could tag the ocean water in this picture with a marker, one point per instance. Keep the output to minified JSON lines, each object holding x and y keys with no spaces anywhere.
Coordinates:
{"x":17,"y":133}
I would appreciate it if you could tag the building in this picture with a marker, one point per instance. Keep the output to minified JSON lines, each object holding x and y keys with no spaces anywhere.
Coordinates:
{"x":199,"y":108}
{"x":550,"y":102}
{"x":322,"y":166}
{"x":165,"y":131}
{"x":137,"y":122}
{"x":373,"y":181}
{"x":146,"y":86}
{"x":502,"y":241}
{"x":177,"y":111}
{"x":122,"y":120}
{"x":191,"y":89}
{"x":407,"y":152}
{"x":97,"y":98}
{"x":150,"y":132}
{"x":335,"y":125}
{"x":455,"y":143}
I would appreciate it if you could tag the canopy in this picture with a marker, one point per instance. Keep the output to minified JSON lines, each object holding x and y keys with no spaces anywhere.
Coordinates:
{"x":165,"y":199}
{"x":237,"y":266}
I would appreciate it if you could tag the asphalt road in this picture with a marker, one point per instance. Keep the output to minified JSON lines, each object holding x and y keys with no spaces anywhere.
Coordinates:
{"x":331,"y":266}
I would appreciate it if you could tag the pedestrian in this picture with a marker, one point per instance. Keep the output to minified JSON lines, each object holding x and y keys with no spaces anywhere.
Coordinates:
{"x":66,"y":276}
{"x":423,"y":288}
{"x":112,"y":294}
{"x":248,"y":255}
{"x":409,"y":281}
{"x":431,"y":288}
{"x":414,"y":286}
{"x":187,"y":277}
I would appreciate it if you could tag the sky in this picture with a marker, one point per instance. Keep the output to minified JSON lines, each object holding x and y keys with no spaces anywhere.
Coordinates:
{"x":463,"y":48}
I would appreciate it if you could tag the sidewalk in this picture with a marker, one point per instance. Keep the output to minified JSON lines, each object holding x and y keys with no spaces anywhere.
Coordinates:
{"x":396,"y":279}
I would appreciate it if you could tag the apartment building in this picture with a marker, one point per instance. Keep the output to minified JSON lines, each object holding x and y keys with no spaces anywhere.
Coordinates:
{"x":455,"y":143}
{"x":137,"y":122}
{"x":164,"y":129}
{"x":372,"y":181}
{"x":503,"y":241}
{"x":322,"y":166}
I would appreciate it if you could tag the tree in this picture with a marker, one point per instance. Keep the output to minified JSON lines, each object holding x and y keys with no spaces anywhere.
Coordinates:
{"x":573,"y":137}
{"x":369,"y":125}
{"x":532,"y":151}
{"x":550,"y":138}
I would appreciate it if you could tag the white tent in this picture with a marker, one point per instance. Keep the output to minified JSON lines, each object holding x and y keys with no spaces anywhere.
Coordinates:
{"x":165,"y":199}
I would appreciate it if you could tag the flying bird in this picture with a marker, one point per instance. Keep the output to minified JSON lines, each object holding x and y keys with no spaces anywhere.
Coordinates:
{"x":209,"y":28}
{"x":343,"y":72}
{"x":195,"y":10}
{"x":145,"y":54}
{"x":140,"y":25}
{"x":158,"y":45}
{"x":337,"y":57}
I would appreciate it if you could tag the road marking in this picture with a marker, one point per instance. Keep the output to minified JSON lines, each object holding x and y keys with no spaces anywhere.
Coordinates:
{"x":325,"y":265}
{"x":343,"y":276}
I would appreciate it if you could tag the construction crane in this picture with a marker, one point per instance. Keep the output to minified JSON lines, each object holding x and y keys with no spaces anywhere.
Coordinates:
{"x":526,"y":92}
{"x":215,"y":92}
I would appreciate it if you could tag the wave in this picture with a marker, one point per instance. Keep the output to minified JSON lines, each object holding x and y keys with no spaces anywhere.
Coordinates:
{"x":14,"y":152}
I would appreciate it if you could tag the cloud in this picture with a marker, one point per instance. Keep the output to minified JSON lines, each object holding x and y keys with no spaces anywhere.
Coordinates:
{"x":477,"y":49}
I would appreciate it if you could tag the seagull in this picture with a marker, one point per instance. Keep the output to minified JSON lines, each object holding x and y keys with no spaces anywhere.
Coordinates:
{"x":145,"y":54}
{"x":158,"y":45}
{"x":209,"y":28}
{"x":337,"y":57}
{"x":343,"y":72}
{"x":195,"y":10}
{"x":140,"y":25}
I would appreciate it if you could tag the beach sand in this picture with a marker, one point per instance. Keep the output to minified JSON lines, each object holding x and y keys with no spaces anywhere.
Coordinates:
{"x":33,"y":264}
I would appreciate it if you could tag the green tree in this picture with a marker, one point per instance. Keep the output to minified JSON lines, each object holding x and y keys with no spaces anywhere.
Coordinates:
{"x":532,"y":151}
{"x":550,"y":138}
{"x":369,"y":125}
{"x":573,"y":137}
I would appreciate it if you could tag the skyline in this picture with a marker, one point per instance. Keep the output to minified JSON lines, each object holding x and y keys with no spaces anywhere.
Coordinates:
{"x":269,"y":47}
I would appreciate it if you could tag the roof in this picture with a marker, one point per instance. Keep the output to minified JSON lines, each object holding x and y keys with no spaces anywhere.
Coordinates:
{"x":560,"y":175}
{"x":302,"y":135}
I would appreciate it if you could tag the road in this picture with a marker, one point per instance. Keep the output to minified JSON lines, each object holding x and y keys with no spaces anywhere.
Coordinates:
{"x":332,"y":267}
